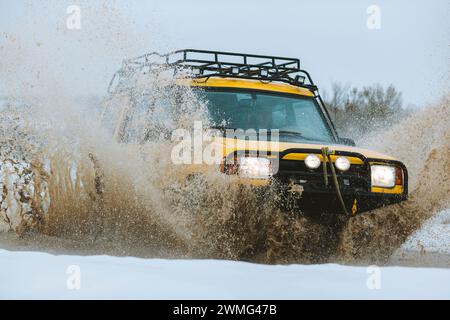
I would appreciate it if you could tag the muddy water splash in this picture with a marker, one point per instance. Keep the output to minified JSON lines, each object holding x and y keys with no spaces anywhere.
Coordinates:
{"x":96,"y":187}
{"x":245,"y":229}
{"x":89,"y":188}
{"x":100,"y":191}
{"x":423,"y":143}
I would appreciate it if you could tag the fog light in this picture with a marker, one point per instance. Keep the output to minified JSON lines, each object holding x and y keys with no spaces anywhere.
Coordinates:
{"x":312,"y":161}
{"x":342,"y":163}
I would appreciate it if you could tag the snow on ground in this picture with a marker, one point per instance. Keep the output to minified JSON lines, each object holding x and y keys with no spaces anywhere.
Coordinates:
{"x":430,"y":245}
{"x":35,"y":275}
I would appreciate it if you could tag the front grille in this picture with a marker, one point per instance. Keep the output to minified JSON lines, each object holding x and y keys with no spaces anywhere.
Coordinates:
{"x":355,"y":179}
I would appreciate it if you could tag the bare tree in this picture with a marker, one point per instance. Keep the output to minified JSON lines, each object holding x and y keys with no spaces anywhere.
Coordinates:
{"x":360,"y":110}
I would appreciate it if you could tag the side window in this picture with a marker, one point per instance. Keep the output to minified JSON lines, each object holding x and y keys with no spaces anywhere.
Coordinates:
{"x":147,"y":119}
{"x":113,"y":112}
{"x":135,"y":121}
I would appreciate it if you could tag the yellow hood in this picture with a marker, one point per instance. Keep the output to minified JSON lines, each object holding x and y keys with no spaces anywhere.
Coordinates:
{"x":230,"y":145}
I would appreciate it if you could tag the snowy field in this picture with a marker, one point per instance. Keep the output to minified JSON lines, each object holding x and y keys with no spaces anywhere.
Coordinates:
{"x":35,"y":275}
{"x":39,"y":275}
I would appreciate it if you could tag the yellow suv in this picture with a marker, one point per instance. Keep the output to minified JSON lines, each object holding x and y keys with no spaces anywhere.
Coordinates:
{"x":291,"y":143}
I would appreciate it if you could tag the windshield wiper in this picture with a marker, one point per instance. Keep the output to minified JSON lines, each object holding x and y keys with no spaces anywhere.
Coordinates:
{"x":290,"y":133}
{"x":222,"y":128}
{"x":269,"y":133}
{"x":293,"y":133}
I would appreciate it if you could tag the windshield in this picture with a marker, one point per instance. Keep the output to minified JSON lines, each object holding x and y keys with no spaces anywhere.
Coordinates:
{"x":297,"y":118}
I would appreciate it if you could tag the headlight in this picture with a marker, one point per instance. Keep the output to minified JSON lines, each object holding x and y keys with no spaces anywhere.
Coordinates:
{"x":312,"y":161}
{"x":383,"y":176}
{"x":342,"y":163}
{"x":255,"y":168}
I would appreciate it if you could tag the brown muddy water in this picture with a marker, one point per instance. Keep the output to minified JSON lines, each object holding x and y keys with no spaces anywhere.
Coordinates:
{"x":69,"y":187}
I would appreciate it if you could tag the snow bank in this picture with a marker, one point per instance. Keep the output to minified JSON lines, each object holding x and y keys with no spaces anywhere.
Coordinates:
{"x":34,"y":275}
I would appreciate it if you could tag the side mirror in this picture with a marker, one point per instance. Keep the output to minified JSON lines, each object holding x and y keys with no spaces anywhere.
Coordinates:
{"x":347,"y":141}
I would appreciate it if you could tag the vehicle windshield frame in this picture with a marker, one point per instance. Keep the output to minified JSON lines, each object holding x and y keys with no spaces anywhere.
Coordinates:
{"x":315,"y":99}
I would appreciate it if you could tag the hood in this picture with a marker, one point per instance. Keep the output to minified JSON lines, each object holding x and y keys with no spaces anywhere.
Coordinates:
{"x":230,"y":145}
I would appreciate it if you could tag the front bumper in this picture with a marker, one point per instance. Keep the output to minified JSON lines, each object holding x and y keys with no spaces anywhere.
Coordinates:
{"x":293,"y":180}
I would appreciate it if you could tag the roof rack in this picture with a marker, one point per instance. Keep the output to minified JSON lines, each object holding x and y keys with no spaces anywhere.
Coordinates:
{"x":206,"y":64}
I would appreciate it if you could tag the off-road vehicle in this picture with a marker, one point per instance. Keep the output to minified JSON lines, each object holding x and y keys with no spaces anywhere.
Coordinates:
{"x":275,"y":96}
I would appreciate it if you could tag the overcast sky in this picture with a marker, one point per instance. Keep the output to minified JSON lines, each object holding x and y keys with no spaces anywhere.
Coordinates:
{"x":410,"y":50}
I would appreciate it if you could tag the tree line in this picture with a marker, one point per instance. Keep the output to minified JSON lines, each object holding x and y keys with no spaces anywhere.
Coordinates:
{"x":358,"y":111}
